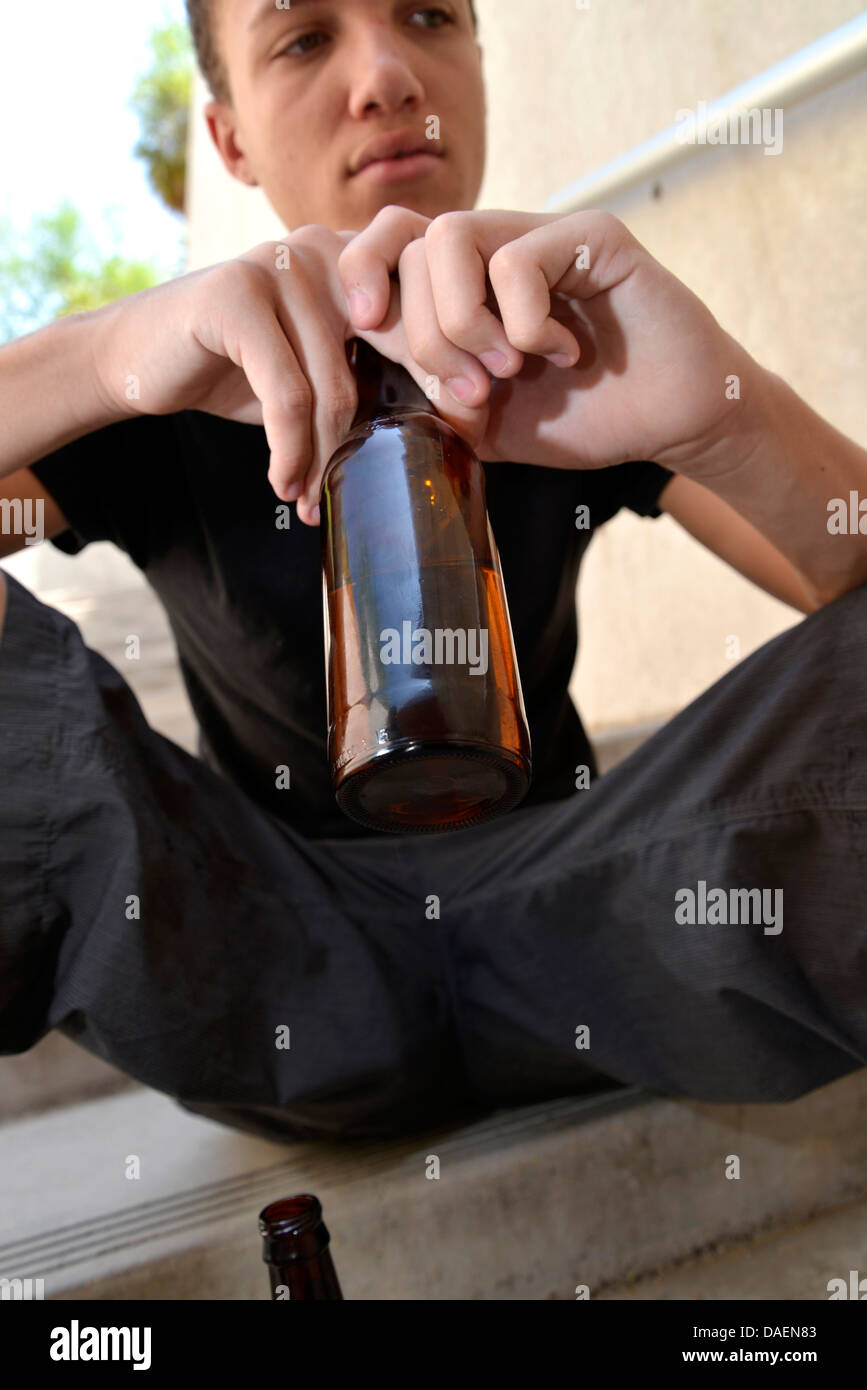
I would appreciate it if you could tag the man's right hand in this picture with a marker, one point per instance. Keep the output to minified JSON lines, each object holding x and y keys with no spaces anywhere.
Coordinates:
{"x":260,"y":339}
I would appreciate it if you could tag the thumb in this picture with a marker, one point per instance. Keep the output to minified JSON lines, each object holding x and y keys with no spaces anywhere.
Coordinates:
{"x":389,"y":339}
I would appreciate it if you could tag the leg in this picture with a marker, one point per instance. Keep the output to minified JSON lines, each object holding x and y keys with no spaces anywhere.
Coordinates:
{"x":152,"y":913}
{"x":565,"y":915}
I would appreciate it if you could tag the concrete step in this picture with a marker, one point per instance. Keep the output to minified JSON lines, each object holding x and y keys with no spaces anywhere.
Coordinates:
{"x":611,"y":746}
{"x":530,"y":1202}
{"x":797,"y":1263}
{"x":55,"y":1072}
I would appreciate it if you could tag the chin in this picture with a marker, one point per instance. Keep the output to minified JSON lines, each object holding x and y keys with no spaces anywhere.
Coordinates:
{"x":429,"y":202}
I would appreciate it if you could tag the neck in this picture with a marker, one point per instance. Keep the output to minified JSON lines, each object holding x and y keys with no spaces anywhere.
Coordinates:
{"x":384,"y":387}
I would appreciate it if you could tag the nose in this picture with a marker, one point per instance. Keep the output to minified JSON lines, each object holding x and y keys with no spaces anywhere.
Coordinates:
{"x":382,"y":79}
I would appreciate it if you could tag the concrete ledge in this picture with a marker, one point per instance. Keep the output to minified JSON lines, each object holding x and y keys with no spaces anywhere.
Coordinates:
{"x":55,"y":1072}
{"x":611,"y":746}
{"x":796,"y":1263}
{"x":529,"y":1203}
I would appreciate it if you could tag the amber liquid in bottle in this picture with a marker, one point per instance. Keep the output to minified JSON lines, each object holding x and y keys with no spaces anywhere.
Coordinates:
{"x":427,"y":726}
{"x":295,"y":1249}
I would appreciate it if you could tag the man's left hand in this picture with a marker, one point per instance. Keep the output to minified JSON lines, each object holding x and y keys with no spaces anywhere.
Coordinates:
{"x":575,"y":347}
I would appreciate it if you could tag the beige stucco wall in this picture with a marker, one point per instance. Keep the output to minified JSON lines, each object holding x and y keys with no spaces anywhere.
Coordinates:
{"x":774,"y":245}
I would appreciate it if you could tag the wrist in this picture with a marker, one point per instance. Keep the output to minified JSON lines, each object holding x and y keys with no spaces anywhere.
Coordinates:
{"x":750,"y":416}
{"x":92,"y":349}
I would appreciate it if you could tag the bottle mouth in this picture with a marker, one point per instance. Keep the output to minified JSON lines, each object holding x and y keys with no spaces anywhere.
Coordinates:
{"x":291,"y":1216}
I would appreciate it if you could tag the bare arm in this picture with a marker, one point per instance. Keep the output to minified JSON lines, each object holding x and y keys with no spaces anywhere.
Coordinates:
{"x":260,"y":339}
{"x":783,"y":480}
{"x":50,"y":390}
{"x":722,"y":530}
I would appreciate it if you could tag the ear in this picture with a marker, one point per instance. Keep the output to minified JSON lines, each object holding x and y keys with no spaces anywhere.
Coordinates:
{"x":223,"y":126}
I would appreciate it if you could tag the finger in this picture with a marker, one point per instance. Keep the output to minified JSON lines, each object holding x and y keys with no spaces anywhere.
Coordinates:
{"x":523,"y":293}
{"x":268,"y":361}
{"x":457,"y":274}
{"x":321,"y":356}
{"x":335,"y":402}
{"x":370,"y":258}
{"x":444,"y":364}
{"x":390,"y":340}
{"x":316,"y":342}
{"x":609,"y":251}
{"x":585,"y":254}
{"x":597,"y":255}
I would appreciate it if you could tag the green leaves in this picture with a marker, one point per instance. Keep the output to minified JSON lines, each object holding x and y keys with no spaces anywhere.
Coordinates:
{"x":161,"y":101}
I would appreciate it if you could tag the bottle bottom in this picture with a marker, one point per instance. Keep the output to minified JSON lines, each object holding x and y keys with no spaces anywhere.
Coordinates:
{"x":432,"y":789}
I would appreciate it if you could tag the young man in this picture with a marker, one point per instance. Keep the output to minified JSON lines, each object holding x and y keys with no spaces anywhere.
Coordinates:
{"x":242,"y":946}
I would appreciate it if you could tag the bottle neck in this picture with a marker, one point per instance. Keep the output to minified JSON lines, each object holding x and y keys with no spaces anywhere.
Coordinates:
{"x":314,"y":1278}
{"x":295,"y":1249}
{"x":385,"y":389}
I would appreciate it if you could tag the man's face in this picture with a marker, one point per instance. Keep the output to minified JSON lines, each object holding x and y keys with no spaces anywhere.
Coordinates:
{"x":318,"y":85}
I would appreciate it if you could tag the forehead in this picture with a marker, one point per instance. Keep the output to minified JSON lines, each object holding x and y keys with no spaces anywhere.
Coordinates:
{"x":254,"y":14}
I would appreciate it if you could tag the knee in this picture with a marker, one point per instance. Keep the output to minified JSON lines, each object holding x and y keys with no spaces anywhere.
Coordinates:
{"x":835,"y":636}
{"x":846,"y":613}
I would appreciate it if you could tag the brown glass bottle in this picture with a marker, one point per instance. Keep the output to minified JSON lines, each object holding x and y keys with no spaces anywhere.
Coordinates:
{"x":295,"y":1249}
{"x":427,"y":729}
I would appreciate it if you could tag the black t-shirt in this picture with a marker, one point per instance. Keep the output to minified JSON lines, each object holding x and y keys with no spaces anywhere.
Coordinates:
{"x":187,"y":497}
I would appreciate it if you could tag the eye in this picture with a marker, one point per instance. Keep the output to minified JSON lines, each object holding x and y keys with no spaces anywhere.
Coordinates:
{"x":434,"y":13}
{"x":306,"y":43}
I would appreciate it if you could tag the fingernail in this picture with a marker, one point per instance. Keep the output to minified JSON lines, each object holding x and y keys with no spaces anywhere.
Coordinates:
{"x":314,"y":515}
{"x":461,"y":388}
{"x":560,"y":359}
{"x":293,"y":492}
{"x":494,"y":361}
{"x":359,"y":304}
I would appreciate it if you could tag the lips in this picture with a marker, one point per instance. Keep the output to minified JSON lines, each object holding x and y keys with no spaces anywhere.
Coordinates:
{"x":398,"y":145}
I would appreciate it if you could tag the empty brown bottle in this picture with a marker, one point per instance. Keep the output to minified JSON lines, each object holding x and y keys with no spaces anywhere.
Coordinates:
{"x":427,"y":729}
{"x":295,"y":1248}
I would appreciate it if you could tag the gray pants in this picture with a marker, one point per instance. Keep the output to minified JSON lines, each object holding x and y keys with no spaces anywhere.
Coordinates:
{"x":154,"y":914}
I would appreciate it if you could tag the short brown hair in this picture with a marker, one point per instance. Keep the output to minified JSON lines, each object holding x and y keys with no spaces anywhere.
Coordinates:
{"x":201,"y":20}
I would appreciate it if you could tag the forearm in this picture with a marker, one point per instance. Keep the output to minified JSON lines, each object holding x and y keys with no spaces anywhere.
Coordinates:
{"x":50,"y":391}
{"x":788,"y":468}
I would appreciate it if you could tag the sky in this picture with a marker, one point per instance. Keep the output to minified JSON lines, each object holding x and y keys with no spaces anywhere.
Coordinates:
{"x":67,"y":72}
